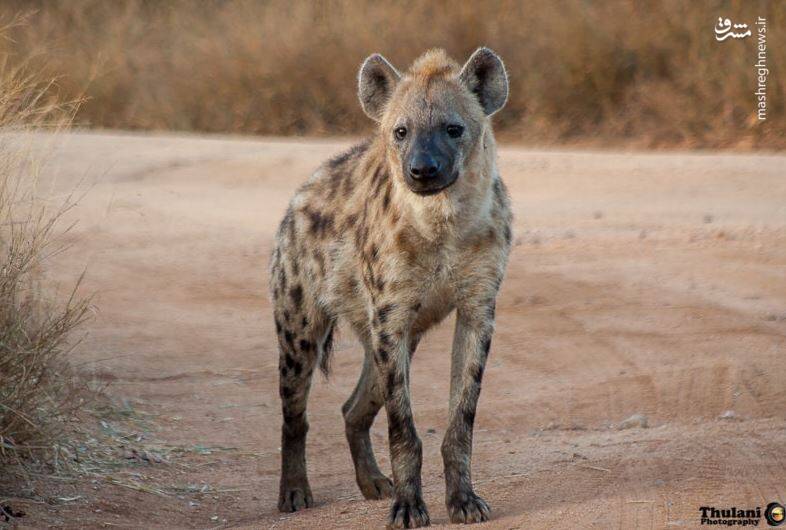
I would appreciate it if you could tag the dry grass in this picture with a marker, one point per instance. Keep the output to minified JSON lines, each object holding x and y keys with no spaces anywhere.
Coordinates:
{"x":38,"y":391}
{"x":620,"y":72}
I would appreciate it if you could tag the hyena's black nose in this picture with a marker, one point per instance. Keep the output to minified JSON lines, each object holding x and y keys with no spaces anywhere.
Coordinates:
{"x":424,"y":167}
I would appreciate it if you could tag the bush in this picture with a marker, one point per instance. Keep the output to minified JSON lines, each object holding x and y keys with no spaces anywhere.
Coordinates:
{"x":39,"y":392}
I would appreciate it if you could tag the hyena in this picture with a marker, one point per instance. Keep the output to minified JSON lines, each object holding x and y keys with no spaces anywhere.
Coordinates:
{"x":391,"y":236}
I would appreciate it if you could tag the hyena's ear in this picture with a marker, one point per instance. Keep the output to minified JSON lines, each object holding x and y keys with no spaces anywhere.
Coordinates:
{"x":376,"y":81}
{"x":484,"y":75}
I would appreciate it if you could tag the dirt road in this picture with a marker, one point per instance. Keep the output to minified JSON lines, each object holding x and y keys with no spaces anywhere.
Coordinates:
{"x":650,"y":284}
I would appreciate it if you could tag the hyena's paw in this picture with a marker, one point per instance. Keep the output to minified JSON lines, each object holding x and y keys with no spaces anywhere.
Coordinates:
{"x":466,"y":507}
{"x":409,"y":513}
{"x":294,"y":497}
{"x":375,"y":487}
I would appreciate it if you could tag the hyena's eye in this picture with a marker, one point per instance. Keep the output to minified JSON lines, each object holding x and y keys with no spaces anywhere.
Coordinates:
{"x":454,"y":131}
{"x":400,"y":133}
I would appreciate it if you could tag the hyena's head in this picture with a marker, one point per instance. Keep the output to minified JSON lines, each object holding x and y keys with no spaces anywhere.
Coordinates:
{"x":434,"y":119}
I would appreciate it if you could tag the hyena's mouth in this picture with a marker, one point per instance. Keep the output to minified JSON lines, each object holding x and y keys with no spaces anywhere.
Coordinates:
{"x":425,"y":189}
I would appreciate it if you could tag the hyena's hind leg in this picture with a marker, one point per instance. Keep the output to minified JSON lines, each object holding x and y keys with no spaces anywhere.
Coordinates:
{"x":359,"y":412}
{"x":303,"y":337}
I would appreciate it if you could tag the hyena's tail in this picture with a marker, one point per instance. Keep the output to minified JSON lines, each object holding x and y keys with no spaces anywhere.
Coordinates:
{"x":326,"y":349}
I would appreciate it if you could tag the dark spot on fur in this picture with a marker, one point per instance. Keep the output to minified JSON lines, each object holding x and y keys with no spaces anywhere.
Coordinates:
{"x":296,"y":294}
{"x":298,"y":368}
{"x":469,"y":417}
{"x":384,"y":338}
{"x":305,"y":346}
{"x":391,"y":383}
{"x":278,"y":327}
{"x":289,"y":338}
{"x":383,"y":312}
{"x":287,"y":392}
{"x":508,"y":234}
{"x":383,"y":355}
{"x":486,"y":346}
{"x":286,"y":316}
{"x":498,"y":188}
{"x":320,"y":225}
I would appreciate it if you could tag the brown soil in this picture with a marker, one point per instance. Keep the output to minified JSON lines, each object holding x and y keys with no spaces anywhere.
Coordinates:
{"x":649,"y":284}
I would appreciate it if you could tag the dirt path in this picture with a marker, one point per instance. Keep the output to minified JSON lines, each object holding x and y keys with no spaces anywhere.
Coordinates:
{"x":651,"y":284}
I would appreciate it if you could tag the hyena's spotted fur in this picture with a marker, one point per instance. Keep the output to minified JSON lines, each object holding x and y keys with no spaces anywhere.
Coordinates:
{"x":393,"y":256}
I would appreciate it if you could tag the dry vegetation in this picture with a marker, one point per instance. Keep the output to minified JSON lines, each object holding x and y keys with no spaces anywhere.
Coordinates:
{"x":646,"y":73}
{"x":39,"y":392}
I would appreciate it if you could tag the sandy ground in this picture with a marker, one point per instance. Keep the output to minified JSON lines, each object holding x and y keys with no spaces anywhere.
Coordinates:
{"x":649,"y":284}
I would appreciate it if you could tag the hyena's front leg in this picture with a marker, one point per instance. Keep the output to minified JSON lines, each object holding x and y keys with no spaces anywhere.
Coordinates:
{"x":392,"y":355}
{"x":471,"y":343}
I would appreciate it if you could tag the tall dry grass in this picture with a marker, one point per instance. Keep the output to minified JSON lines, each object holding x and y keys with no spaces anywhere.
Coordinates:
{"x":39,"y":392}
{"x":649,"y":73}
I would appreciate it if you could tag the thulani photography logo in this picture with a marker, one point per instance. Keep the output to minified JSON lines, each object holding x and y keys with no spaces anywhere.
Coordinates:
{"x":774,"y":514}
{"x":725,"y":29}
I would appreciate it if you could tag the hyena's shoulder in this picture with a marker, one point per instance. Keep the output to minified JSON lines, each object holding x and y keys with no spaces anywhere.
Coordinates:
{"x":319,"y":210}
{"x":337,"y":177}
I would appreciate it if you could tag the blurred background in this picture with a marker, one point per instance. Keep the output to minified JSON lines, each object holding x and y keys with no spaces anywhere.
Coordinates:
{"x":620,"y":73}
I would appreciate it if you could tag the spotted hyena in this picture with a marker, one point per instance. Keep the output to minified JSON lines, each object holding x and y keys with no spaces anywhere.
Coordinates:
{"x":391,"y":236}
